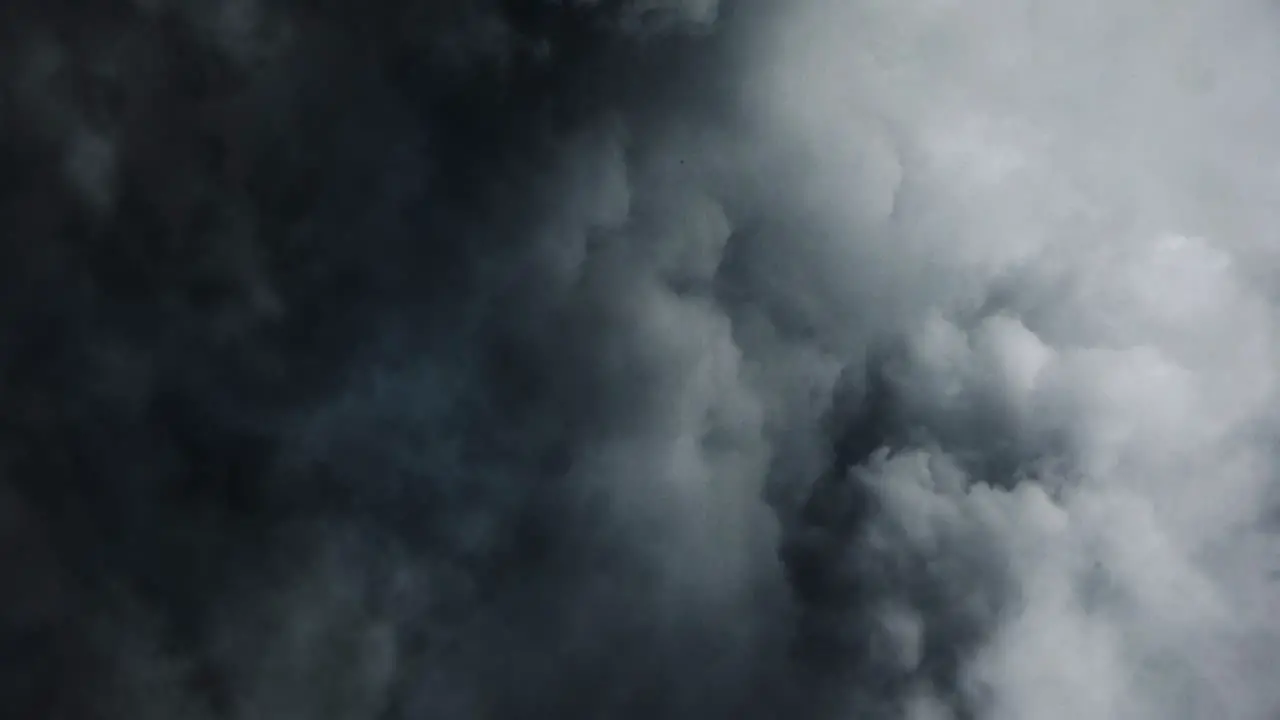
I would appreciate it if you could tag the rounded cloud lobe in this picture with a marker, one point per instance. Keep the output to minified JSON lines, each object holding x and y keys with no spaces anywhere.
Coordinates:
{"x":639,"y":359}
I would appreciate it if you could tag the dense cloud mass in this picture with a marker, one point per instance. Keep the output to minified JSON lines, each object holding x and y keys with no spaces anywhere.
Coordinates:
{"x":819,"y":359}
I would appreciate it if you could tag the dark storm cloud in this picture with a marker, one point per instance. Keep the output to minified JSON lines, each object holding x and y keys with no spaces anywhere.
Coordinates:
{"x":331,"y":358}
{"x":649,"y":358}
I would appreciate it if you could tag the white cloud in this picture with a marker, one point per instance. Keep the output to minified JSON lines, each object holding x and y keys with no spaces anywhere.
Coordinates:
{"x":1067,"y":278}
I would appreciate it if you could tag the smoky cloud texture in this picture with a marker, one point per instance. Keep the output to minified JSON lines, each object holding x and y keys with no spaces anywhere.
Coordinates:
{"x":827,"y":359}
